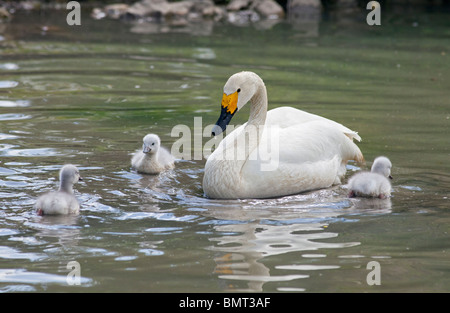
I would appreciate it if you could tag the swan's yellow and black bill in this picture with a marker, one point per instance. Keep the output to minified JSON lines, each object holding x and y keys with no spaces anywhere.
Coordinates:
{"x":229,"y":107}
{"x":229,"y":102}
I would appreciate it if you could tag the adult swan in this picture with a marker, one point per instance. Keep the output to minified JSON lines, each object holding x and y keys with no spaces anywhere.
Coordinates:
{"x":281,"y":152}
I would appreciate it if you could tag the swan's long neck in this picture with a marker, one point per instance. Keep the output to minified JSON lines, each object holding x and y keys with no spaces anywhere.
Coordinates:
{"x":258,"y":108}
{"x":66,"y":186}
{"x":255,"y":125}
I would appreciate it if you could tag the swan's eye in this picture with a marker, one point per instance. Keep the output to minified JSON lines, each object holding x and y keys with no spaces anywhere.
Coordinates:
{"x":153,"y":144}
{"x":239,"y":90}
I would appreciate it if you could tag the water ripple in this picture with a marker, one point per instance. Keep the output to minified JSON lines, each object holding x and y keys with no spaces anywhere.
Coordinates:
{"x":11,"y":253}
{"x":8,"y":84}
{"x":9,"y":66}
{"x":14,"y":116}
{"x":12,"y":104}
{"x":38,"y":152}
{"x":23,"y":276}
{"x":157,"y":216}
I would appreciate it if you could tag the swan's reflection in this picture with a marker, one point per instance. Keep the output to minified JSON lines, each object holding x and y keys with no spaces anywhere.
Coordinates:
{"x":371,"y":206}
{"x":62,"y":228}
{"x":255,"y":231}
{"x":255,"y":242}
{"x":152,"y":188}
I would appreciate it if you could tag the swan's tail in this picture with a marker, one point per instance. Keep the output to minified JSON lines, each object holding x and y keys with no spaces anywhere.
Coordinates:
{"x":357,"y":154}
{"x":352,"y":134}
{"x":359,"y":157}
{"x":352,"y":152}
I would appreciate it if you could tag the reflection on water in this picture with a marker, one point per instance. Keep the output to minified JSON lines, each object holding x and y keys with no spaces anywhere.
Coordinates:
{"x":90,"y":102}
{"x":260,"y":233}
{"x":256,"y":241}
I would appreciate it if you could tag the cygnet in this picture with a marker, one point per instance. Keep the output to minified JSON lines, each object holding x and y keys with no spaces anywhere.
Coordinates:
{"x":153,"y":158}
{"x":62,"y":201}
{"x":374,"y":184}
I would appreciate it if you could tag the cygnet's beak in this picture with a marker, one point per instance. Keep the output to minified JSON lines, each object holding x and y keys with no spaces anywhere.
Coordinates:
{"x":146,"y":149}
{"x":390,"y":177}
{"x":80,"y":178}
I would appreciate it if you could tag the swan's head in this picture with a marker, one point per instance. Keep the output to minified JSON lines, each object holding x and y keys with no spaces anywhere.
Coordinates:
{"x":382,"y":165}
{"x":69,"y":174}
{"x":151,"y":144}
{"x":239,"y":89}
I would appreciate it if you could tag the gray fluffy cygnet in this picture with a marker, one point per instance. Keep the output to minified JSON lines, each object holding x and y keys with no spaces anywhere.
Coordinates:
{"x":373,"y":184}
{"x":153,"y":158}
{"x":62,"y":201}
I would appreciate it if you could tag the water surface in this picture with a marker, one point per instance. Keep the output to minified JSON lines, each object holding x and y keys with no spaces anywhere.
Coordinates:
{"x":87,"y":95}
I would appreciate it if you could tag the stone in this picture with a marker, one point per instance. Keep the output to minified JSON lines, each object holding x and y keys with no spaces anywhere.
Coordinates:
{"x":268,"y":9}
{"x":115,"y":11}
{"x":237,"y":5}
{"x":154,"y":8}
{"x":4,"y":15}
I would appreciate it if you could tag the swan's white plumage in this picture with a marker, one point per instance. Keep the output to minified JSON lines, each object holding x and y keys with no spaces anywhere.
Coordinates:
{"x":312,"y":150}
{"x":373,"y":184}
{"x":62,"y":201}
{"x":153,"y":158}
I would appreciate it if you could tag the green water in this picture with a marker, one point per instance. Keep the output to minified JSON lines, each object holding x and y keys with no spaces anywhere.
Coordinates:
{"x":88,"y":94}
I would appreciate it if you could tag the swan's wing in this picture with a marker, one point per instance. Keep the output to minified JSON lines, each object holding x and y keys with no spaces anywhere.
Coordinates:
{"x":57,"y":203}
{"x":288,"y":116}
{"x":165,"y":157}
{"x":288,"y":178}
{"x":311,"y":141}
{"x":297,"y":158}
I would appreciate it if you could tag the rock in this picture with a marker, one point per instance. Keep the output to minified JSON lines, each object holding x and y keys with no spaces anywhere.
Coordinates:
{"x":189,"y":9}
{"x":242,"y":17}
{"x":244,"y":11}
{"x":237,"y":5}
{"x":213,"y":12}
{"x":115,"y":11}
{"x":153,"y":8}
{"x":186,"y":11}
{"x":181,"y":8}
{"x":265,"y":8}
{"x":268,"y":9}
{"x":4,"y":15}
{"x":98,"y":14}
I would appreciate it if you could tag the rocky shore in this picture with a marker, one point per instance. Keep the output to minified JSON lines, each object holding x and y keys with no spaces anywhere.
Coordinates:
{"x":185,"y":11}
{"x":198,"y":17}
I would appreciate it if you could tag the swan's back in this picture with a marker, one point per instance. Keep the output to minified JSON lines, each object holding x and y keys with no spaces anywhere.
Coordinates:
{"x":165,"y":158}
{"x":311,"y":156}
{"x":57,"y":202}
{"x":375,"y":183}
{"x":288,"y":116}
{"x":367,"y":184}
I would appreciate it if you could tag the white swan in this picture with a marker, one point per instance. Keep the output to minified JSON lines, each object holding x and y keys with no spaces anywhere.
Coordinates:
{"x":153,"y":158}
{"x":281,"y":152}
{"x":373,"y":184}
{"x":62,"y":201}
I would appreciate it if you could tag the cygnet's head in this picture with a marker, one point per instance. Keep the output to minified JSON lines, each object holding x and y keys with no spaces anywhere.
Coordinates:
{"x":151,"y":144}
{"x":68,"y":175}
{"x":382,"y":165}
